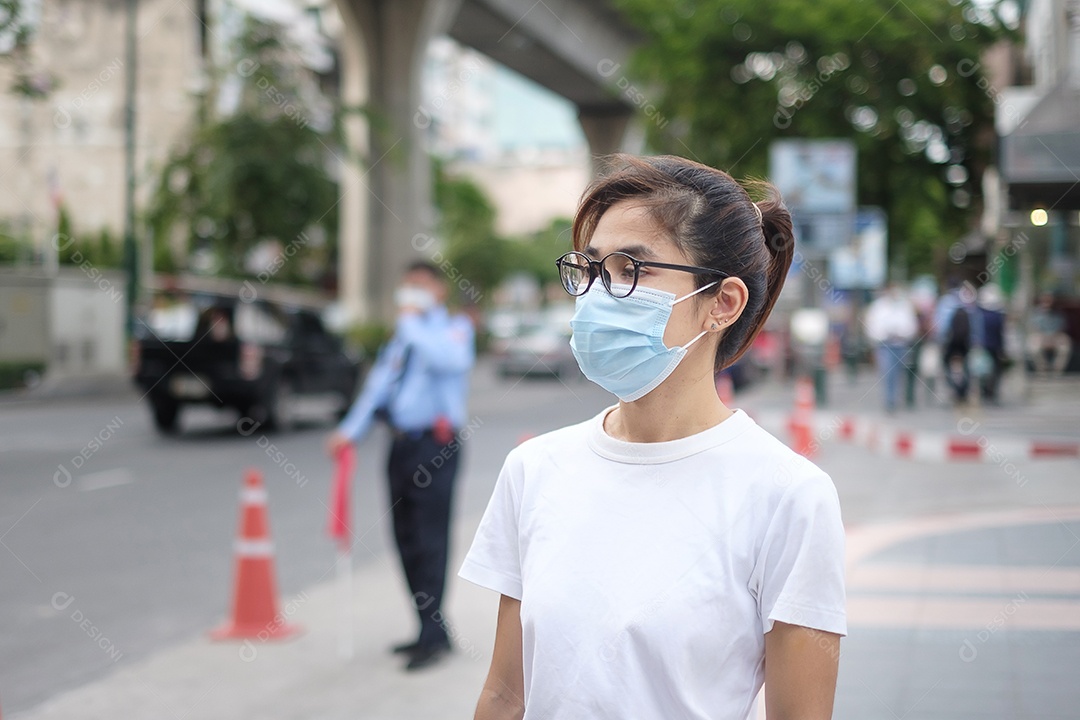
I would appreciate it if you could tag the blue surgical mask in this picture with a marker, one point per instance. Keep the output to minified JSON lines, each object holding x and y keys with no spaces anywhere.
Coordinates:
{"x":619,"y":342}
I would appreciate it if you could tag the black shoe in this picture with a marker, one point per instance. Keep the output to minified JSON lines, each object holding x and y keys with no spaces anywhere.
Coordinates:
{"x":405,"y":648}
{"x":423,"y":657}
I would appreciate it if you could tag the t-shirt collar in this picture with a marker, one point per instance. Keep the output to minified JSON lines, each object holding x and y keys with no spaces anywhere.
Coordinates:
{"x":662,"y":452}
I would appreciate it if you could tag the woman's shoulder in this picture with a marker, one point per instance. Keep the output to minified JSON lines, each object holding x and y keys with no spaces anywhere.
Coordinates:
{"x":569,"y":436}
{"x":561,"y":442}
{"x":774,"y":468}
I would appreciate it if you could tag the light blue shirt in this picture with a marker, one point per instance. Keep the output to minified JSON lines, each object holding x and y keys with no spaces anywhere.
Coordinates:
{"x":947,"y":305}
{"x":422,"y":374}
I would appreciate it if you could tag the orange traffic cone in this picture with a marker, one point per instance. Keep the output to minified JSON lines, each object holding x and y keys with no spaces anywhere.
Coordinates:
{"x":802,"y":419}
{"x":254,"y":609}
{"x":725,"y":389}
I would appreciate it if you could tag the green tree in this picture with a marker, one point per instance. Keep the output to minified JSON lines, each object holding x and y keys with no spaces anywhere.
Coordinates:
{"x":12,"y":247}
{"x":467,"y":225}
{"x":541,"y":249}
{"x":258,"y":174}
{"x":477,"y":252}
{"x":16,"y":32}
{"x":726,"y":77}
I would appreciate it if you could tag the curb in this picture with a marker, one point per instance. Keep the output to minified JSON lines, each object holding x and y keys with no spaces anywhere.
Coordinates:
{"x":82,"y":387}
{"x":947,"y":447}
{"x":922,"y":445}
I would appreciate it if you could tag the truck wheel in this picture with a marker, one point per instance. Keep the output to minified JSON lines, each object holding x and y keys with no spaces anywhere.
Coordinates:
{"x":347,"y":398}
{"x":344,"y":407}
{"x":281,"y":406}
{"x":166,"y":416}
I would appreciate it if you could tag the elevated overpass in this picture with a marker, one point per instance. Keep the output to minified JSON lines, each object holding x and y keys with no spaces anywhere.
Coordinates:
{"x":575,"y":48}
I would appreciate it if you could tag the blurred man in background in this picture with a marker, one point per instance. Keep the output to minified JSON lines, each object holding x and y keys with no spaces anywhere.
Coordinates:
{"x":958,"y":324}
{"x":992,"y":305}
{"x":1047,"y":333}
{"x":418,"y":386}
{"x":891,"y":325}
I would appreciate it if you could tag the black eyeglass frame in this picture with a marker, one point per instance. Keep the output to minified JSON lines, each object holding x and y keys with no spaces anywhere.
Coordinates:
{"x":596,"y":267}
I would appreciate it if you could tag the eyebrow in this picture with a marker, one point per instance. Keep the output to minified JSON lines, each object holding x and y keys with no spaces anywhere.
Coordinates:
{"x":638,"y":252}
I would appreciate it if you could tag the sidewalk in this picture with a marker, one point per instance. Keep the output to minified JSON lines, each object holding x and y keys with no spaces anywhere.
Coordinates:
{"x":304,"y":678}
{"x":963,"y":616}
{"x":960,"y":616}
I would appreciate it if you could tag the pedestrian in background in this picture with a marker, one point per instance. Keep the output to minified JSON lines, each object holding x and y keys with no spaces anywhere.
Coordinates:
{"x":418,"y":386}
{"x":1047,"y":333}
{"x":953,"y":325}
{"x":925,"y":351}
{"x":992,"y":306}
{"x":666,"y":557}
{"x":946,"y":306}
{"x":891,"y":325}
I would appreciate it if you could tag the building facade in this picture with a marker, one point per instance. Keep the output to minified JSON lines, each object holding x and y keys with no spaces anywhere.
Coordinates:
{"x":66,"y":147}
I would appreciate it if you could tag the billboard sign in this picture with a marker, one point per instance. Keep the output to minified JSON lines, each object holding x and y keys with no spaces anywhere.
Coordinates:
{"x":817,"y":181}
{"x":862,"y":263}
{"x":814,"y":176}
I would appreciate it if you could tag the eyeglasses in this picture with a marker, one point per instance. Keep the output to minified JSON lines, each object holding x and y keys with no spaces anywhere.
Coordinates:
{"x":577,"y":272}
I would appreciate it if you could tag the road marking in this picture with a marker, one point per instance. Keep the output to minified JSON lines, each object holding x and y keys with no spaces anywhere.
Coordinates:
{"x":995,"y":579}
{"x":105,"y":479}
{"x":961,"y":613}
{"x":884,"y":594}
{"x":865,"y":540}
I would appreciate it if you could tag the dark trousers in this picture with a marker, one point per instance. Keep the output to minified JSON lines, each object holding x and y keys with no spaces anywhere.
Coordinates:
{"x":989,"y":384}
{"x":956,"y":371}
{"x":421,"y":473}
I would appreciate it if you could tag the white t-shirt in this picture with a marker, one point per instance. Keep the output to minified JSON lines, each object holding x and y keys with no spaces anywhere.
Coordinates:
{"x":891,"y":319}
{"x":648,"y":573}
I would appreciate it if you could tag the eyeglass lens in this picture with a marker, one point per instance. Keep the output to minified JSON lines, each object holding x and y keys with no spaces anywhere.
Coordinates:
{"x":574,"y":272}
{"x":618,"y":273}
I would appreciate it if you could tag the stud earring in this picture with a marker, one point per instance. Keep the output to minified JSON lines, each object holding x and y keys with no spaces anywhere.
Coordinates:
{"x":714,"y":326}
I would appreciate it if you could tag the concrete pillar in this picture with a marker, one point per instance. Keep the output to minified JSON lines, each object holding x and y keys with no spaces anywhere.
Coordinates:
{"x":605,"y":130}
{"x":354,"y":236}
{"x":394,"y":189}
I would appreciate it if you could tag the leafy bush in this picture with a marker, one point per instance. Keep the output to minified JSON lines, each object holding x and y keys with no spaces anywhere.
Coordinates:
{"x":14,"y":375}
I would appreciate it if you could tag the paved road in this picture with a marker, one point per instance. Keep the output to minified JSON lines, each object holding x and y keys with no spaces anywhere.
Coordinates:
{"x":138,"y":540}
{"x":138,"y":543}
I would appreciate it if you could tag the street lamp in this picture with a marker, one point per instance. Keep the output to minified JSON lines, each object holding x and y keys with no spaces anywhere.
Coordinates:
{"x":131,"y":263}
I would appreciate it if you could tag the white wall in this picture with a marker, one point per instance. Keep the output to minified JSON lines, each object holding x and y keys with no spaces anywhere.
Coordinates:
{"x":71,"y":143}
{"x":74,"y":322}
{"x":528,"y":197}
{"x":24,"y":317}
{"x":86,"y":309}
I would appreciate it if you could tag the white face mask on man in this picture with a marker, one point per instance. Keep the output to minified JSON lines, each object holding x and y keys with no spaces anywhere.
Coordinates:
{"x":413,"y":296}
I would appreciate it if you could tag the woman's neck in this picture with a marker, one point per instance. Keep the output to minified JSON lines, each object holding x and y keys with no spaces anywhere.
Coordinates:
{"x":684,"y":405}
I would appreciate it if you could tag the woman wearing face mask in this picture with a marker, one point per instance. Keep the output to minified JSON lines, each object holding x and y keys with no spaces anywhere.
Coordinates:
{"x":667,"y":557}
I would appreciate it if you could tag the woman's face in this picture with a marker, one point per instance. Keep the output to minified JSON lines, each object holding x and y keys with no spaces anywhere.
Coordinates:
{"x":628,"y":228}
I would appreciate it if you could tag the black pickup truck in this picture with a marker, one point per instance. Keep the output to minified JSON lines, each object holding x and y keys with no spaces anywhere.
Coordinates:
{"x":263,"y":359}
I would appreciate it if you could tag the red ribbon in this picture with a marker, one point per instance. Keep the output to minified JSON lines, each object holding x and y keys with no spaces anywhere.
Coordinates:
{"x":339,"y":527}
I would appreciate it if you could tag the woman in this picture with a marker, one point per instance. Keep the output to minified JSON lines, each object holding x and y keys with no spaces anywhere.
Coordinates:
{"x":665,"y":558}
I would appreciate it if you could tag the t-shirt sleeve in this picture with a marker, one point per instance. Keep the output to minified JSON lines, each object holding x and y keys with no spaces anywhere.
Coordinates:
{"x":494,"y":560}
{"x":799,"y":575}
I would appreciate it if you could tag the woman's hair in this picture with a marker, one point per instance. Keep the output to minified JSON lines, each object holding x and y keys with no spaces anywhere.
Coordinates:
{"x":712,"y":220}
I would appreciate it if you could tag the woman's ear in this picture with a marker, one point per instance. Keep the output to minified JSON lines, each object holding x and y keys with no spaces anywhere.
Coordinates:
{"x":728,"y":304}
